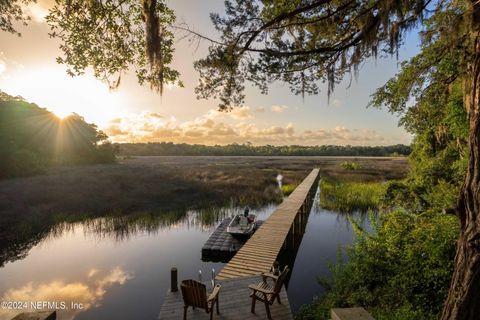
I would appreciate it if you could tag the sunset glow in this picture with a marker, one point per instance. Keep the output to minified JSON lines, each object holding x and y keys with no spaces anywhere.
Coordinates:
{"x":50,"y":87}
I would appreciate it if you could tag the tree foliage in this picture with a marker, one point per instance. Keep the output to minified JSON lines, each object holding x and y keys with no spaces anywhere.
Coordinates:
{"x":304,"y":43}
{"x":12,"y":12}
{"x":427,"y":95}
{"x":111,"y":37}
{"x":32,"y":138}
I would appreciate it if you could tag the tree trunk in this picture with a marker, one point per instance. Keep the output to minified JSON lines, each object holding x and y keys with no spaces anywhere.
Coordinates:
{"x":463,"y":301}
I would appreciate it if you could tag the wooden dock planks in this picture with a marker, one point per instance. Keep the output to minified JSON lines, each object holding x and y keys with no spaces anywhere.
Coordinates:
{"x":259,"y":253}
{"x":234,"y":302}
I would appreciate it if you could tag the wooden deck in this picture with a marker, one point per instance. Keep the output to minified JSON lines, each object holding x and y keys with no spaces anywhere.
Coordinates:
{"x":234,"y":302}
{"x":261,"y":250}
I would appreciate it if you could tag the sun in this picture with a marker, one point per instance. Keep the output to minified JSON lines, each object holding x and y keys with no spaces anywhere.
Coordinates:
{"x":51,"y":88}
{"x":61,"y":114}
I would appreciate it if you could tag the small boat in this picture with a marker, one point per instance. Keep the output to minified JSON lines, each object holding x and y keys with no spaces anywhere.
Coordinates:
{"x":242,"y":225}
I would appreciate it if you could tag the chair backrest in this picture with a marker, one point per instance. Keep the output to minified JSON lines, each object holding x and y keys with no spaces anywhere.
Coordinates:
{"x":280,"y":279}
{"x":194,"y":293}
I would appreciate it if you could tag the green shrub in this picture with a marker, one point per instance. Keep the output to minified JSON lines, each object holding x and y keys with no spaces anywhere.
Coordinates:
{"x":401,"y":194}
{"x":287,"y":189}
{"x":351,"y":166}
{"x":401,"y":270}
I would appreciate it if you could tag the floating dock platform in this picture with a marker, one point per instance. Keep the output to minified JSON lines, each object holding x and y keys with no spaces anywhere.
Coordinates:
{"x":221,"y":246}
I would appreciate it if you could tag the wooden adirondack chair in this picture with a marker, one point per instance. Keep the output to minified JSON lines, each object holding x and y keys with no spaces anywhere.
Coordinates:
{"x":195,"y":294}
{"x":267,"y":291}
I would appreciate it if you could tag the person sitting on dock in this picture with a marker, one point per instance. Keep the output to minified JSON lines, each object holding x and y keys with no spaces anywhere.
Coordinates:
{"x":247,"y":215}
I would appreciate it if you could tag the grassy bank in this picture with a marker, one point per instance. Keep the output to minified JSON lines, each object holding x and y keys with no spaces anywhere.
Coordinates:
{"x":350,"y":196}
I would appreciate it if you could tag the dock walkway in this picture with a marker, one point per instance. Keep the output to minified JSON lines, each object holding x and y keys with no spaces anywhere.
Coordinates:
{"x":261,"y":250}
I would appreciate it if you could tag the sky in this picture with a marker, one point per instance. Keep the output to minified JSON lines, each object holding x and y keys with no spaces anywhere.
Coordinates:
{"x":133,"y":113}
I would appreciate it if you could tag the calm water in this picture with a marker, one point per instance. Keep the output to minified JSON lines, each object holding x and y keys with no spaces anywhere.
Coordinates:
{"x":119,"y":269}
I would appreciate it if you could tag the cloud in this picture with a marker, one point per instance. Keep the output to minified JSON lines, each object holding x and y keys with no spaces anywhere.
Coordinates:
{"x":279,"y":108}
{"x":238,"y":113}
{"x":8,"y":66}
{"x":89,"y":292}
{"x":215,"y":127}
{"x":241,"y":113}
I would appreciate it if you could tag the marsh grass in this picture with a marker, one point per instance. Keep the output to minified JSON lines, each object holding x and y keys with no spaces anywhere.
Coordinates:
{"x":351,"y":196}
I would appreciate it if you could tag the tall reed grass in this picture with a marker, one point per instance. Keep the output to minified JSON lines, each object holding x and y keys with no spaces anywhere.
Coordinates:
{"x":350,"y":196}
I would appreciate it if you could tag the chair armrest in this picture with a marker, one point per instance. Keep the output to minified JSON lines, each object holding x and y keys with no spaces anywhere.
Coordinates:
{"x":269,"y":275}
{"x":214,"y":293}
{"x":262,"y":290}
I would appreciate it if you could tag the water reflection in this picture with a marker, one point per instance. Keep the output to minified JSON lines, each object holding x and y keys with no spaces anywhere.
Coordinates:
{"x":122,"y":228}
{"x":72,"y":260}
{"x":86,"y":293}
{"x":119,"y":265}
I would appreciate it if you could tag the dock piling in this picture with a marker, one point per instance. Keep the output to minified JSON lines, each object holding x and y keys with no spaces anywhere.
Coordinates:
{"x":173,"y":280}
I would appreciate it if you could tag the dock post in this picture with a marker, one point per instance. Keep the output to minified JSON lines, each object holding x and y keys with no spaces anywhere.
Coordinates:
{"x":173,"y":280}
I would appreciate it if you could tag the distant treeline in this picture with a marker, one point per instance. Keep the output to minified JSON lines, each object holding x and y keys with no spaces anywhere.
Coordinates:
{"x":32,"y":139}
{"x":172,"y":149}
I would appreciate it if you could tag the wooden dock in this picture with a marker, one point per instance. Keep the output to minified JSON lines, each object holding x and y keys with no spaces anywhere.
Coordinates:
{"x":259,"y":253}
{"x":234,"y":302}
{"x":282,"y":230}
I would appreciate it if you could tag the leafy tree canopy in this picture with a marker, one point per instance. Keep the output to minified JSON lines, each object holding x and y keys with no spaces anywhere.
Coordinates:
{"x":11,"y":12}
{"x":109,"y":36}
{"x":304,"y":43}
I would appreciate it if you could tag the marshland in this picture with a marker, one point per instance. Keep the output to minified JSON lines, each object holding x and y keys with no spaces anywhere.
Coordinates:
{"x":134,"y":219}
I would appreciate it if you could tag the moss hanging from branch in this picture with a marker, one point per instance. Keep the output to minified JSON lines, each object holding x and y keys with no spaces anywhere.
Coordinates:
{"x":116,"y":36}
{"x":154,"y":43}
